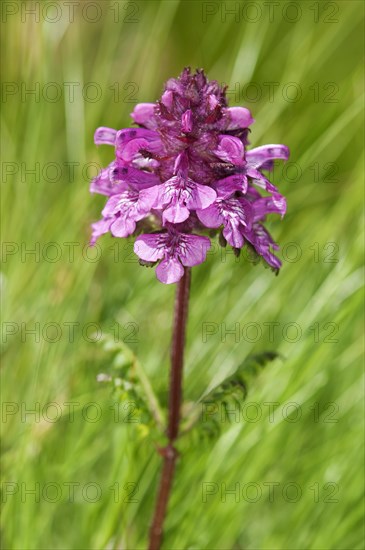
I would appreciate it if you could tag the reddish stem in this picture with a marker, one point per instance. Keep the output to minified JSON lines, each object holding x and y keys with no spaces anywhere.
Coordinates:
{"x":169,"y":453}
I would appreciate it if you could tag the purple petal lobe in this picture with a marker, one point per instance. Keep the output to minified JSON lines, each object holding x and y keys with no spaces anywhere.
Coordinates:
{"x":212,"y":102}
{"x":202,"y":196}
{"x":227,"y":186}
{"x":261,"y":155}
{"x":104,"y":135}
{"x":99,"y":228}
{"x":176,"y":213}
{"x":150,"y":197}
{"x":187,"y":121}
{"x":240,"y":117}
{"x":210,"y":217}
{"x":260,"y":180}
{"x":233,"y":235}
{"x":104,"y":185}
{"x":167,"y":99}
{"x":138,"y":179}
{"x":132,"y":148}
{"x":122,"y":227}
{"x":195,"y":250}
{"x":144,"y":114}
{"x":267,"y":205}
{"x":169,"y":271}
{"x":150,"y":247}
{"x":181,"y":165}
{"x":263,"y":243}
{"x":230,"y":149}
{"x":125,"y":136}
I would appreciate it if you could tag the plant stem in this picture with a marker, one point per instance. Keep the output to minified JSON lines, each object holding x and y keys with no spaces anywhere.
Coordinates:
{"x":169,"y":453}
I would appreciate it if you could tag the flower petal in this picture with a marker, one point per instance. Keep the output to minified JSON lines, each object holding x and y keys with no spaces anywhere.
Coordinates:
{"x":260,"y":180}
{"x":272,"y":260}
{"x":175,"y":213}
{"x":210,"y":216}
{"x":195,"y":250}
{"x":123,"y":226}
{"x":132,"y":148}
{"x":167,"y":99}
{"x":128,"y":134}
{"x":99,"y":228}
{"x":111,"y":206}
{"x":233,"y":235}
{"x":151,"y":197}
{"x":212,"y":101}
{"x":201,"y":197}
{"x":138,"y":179}
{"x":262,"y":241}
{"x":144,"y":114}
{"x":267,"y":205}
{"x":104,"y":135}
{"x":259,"y":156}
{"x":181,"y":165}
{"x":169,"y":271}
{"x":230,"y":149}
{"x":150,"y":247}
{"x":240,"y":117}
{"x":103,"y":183}
{"x":227,"y":186}
{"x":187,"y":121}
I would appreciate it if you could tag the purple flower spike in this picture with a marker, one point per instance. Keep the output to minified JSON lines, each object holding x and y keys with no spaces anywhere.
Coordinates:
{"x":184,"y":169}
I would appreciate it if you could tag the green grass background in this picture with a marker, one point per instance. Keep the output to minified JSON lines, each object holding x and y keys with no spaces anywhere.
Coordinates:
{"x":163,"y":38}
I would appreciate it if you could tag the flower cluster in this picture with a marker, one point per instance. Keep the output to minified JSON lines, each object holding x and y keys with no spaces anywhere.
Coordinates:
{"x":183,"y":171}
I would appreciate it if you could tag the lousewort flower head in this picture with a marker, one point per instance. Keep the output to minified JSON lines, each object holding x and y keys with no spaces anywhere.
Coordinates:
{"x":185,"y":171}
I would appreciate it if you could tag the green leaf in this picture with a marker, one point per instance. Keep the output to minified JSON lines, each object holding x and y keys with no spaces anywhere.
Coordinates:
{"x":131,"y":385}
{"x":230,"y":393}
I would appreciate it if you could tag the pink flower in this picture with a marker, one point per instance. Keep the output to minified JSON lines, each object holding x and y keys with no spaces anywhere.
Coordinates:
{"x":172,"y":250}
